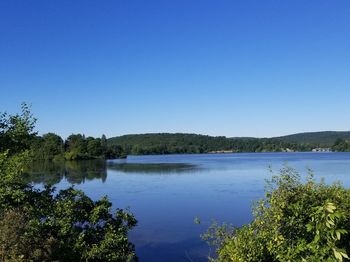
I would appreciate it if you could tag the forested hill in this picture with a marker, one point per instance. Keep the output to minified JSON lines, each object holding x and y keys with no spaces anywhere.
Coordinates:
{"x":166,"y":143}
{"x":321,"y":139}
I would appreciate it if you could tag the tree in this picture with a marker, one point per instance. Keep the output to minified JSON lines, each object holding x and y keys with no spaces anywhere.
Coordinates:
{"x":341,"y":145}
{"x":104,"y":142}
{"x":48,"y":147}
{"x":94,"y":147}
{"x":76,"y":147}
{"x":295,"y":222}
{"x":44,"y":225}
{"x":17,"y":131}
{"x":75,"y":142}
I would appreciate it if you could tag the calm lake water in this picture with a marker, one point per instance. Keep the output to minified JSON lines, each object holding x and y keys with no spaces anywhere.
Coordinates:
{"x":166,"y":193}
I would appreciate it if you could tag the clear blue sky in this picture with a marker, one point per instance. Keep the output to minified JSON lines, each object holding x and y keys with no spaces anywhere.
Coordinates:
{"x":233,"y":68}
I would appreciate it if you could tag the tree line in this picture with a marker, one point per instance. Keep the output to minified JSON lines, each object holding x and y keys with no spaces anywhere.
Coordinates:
{"x":51,"y":146}
{"x":166,"y":143}
{"x":322,"y":139}
{"x":15,"y":136}
{"x":76,"y":147}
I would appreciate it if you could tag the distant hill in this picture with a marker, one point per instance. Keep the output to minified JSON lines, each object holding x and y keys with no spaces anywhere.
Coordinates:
{"x":322,"y":139}
{"x":162,"y":143}
{"x":179,"y":143}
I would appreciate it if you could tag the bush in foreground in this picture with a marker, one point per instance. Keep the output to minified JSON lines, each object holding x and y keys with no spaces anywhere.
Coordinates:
{"x":294,"y":222}
{"x":42,"y":225}
{"x":45,"y":225}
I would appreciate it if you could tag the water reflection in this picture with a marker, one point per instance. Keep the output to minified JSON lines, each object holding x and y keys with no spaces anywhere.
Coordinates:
{"x":156,"y":168}
{"x":75,"y":172}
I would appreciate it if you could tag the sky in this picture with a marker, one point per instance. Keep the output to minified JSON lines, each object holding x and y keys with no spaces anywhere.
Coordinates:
{"x":232,"y":68}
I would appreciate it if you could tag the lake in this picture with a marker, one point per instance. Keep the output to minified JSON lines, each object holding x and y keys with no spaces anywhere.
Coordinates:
{"x":167,"y":193}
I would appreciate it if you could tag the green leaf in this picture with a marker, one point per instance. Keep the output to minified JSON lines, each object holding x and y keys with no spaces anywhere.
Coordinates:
{"x":337,"y":255}
{"x":344,"y":255}
{"x":338,"y":234}
{"x":317,"y":238}
{"x":309,"y":227}
{"x":330,"y":207}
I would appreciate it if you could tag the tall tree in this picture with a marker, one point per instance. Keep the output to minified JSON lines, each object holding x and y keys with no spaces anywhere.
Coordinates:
{"x":48,"y":147}
{"x":17,"y":131}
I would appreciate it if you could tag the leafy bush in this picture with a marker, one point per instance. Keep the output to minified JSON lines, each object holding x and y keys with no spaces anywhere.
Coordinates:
{"x":44,"y":225}
{"x":294,"y":222}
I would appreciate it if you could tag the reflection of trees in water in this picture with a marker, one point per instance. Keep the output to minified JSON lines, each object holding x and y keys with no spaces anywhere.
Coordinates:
{"x":156,"y":168}
{"x":75,"y":172}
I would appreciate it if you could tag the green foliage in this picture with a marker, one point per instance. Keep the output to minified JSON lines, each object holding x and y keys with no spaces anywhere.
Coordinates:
{"x":145,"y":144}
{"x":17,"y":241}
{"x":76,"y":147}
{"x":341,"y":145}
{"x":68,"y":226}
{"x":316,"y":139}
{"x":16,"y":131}
{"x":295,"y":222}
{"x":44,"y":225}
{"x":48,"y":147}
